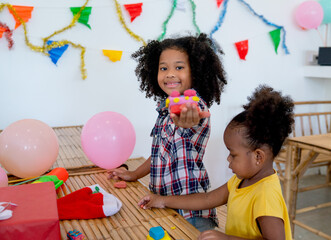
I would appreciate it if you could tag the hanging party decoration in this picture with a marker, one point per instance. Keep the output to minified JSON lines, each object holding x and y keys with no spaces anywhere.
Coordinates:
{"x":84,"y":16}
{"x":134,"y":10}
{"x":46,"y":48}
{"x":165,"y":23}
{"x":242,"y":48}
{"x":220,"y":19}
{"x":326,"y":5}
{"x":219,"y":2}
{"x":275,"y":36}
{"x":113,"y":55}
{"x":193,"y":16}
{"x":56,"y":53}
{"x":24,"y":12}
{"x":4,"y":29}
{"x":309,"y":15}
{"x":120,"y":17}
{"x":268,"y":23}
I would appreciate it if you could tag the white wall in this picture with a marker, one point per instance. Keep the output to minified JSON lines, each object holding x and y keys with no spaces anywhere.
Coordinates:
{"x":33,"y":87}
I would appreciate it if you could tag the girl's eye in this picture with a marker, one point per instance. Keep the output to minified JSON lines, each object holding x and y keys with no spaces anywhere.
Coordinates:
{"x":163,"y":68}
{"x":180,"y":67}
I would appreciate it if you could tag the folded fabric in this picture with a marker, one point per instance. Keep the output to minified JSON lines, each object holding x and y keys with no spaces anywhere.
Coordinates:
{"x":88,"y":203}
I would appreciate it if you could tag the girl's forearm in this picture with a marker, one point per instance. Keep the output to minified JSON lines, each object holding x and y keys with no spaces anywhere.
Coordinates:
{"x":143,"y":169}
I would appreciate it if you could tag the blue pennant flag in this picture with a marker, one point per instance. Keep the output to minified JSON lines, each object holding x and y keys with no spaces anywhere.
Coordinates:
{"x":56,"y":53}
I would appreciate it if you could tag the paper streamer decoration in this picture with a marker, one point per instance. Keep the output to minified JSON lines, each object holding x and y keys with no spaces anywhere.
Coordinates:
{"x":165,"y":23}
{"x":84,"y":16}
{"x":24,"y":12}
{"x":113,"y":55}
{"x":242,"y":48}
{"x":134,"y":10}
{"x":220,"y":19}
{"x":219,"y":2}
{"x":56,"y":53}
{"x":4,"y":29}
{"x":269,"y":23}
{"x":120,"y":17}
{"x":193,"y":16}
{"x":275,"y":36}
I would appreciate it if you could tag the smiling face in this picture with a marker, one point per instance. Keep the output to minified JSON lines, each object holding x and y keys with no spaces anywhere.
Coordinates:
{"x":174,"y":71}
{"x":241,"y":159}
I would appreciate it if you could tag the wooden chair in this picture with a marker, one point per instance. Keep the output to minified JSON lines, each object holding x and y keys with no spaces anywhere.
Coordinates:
{"x":311,"y":118}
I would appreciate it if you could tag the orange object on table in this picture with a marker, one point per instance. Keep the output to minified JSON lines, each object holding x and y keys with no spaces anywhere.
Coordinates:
{"x":35,"y":216}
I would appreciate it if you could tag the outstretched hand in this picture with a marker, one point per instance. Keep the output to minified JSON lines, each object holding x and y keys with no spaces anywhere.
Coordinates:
{"x":150,"y":201}
{"x":121,"y":174}
{"x":189,"y":116}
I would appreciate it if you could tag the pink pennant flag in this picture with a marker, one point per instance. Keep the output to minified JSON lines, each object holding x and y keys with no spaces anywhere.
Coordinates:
{"x":134,"y":10}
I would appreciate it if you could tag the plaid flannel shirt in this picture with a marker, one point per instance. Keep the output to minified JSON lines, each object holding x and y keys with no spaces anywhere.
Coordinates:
{"x":176,"y":159}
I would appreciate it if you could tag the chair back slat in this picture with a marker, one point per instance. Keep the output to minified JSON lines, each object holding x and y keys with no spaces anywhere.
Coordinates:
{"x":314,"y":118}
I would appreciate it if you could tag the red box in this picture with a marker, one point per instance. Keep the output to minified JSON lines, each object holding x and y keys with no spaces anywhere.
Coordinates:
{"x":35,"y":217}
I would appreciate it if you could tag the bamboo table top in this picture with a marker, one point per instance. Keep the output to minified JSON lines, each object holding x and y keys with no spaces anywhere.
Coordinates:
{"x":320,"y":143}
{"x":131,"y":222}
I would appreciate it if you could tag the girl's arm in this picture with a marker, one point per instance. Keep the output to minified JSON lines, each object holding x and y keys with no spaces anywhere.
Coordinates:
{"x":272,"y":228}
{"x":196,"y":201}
{"x":141,"y":171}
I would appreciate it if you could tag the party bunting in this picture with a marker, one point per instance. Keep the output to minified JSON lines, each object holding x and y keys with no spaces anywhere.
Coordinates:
{"x":56,"y":53}
{"x":219,"y":2}
{"x":24,"y":12}
{"x":165,"y":23}
{"x":4,"y":29}
{"x":242,"y":48}
{"x":120,"y":17}
{"x":84,"y":16}
{"x":275,"y":36}
{"x":113,"y":55}
{"x":134,"y":10}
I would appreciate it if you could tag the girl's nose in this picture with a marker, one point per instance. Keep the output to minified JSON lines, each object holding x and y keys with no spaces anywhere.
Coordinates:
{"x":170,"y":75}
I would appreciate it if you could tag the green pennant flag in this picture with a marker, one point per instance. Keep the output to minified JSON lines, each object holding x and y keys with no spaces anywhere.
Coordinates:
{"x":275,"y":36}
{"x":84,"y":16}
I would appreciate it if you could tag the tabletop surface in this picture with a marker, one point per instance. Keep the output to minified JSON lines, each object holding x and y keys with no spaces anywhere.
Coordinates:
{"x":321,"y":141}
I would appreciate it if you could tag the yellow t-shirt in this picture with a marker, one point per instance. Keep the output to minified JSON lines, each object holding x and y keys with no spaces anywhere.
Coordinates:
{"x":245,"y":205}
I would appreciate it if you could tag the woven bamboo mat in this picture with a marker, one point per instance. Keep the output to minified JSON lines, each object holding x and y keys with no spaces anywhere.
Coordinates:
{"x":130,"y":222}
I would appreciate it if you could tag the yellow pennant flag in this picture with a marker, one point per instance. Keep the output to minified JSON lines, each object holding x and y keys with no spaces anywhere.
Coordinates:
{"x":113,"y":55}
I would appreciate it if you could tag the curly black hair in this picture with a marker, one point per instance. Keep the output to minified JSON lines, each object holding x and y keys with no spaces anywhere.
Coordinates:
{"x":267,"y":119}
{"x":208,"y":75}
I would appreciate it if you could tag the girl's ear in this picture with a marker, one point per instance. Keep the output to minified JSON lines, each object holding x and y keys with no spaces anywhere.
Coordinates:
{"x":260,"y":156}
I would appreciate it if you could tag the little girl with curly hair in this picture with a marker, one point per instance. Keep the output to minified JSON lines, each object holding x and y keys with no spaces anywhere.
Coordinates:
{"x":255,"y":205}
{"x":179,"y":141}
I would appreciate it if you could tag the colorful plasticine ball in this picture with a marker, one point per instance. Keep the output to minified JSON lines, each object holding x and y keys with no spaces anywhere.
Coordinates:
{"x":175,"y":102}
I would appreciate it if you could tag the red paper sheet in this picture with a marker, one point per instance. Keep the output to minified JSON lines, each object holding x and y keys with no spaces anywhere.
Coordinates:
{"x":35,"y":217}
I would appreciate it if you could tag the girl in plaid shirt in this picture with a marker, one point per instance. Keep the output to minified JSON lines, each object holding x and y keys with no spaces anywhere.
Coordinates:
{"x":179,"y":142}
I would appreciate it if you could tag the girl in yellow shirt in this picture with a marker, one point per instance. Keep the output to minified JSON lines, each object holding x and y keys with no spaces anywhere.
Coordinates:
{"x":256,"y":208}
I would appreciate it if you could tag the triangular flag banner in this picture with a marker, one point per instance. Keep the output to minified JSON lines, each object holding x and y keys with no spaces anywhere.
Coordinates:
{"x":219,"y":2}
{"x":56,"y":53}
{"x":134,"y":10}
{"x":84,"y":15}
{"x":275,"y":36}
{"x":181,"y":5}
{"x":113,"y":55}
{"x":242,"y":48}
{"x":23,"y":12}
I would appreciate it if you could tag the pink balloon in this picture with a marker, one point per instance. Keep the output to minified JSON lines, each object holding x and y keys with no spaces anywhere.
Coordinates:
{"x":309,"y":15}
{"x":28,"y":148}
{"x":3,"y":178}
{"x":108,"y":139}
